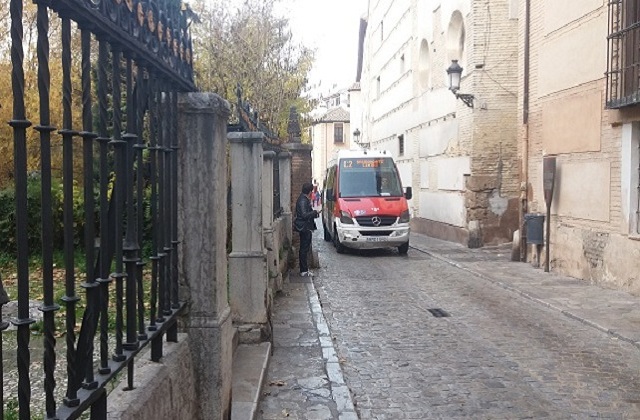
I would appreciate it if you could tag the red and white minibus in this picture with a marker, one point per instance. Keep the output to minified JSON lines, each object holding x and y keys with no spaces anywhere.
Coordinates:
{"x":364,"y":204}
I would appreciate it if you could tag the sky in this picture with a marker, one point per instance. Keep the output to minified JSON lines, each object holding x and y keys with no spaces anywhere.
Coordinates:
{"x":330,"y":26}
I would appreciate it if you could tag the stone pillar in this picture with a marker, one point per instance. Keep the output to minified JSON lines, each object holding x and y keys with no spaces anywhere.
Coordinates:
{"x":248,"y":275}
{"x":202,"y":229}
{"x":284,"y":160}
{"x":267,"y":189}
{"x":270,"y":243}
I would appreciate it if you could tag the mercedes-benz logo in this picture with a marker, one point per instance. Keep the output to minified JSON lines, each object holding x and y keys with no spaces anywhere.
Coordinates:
{"x":376,"y":221}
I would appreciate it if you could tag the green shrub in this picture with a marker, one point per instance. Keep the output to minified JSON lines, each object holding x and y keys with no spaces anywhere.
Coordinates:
{"x":34,"y":208}
{"x":7,"y":221}
{"x":11,"y":410}
{"x":34,"y":219}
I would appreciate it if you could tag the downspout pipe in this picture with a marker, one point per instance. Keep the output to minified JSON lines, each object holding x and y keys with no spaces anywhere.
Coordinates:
{"x":524,"y":185}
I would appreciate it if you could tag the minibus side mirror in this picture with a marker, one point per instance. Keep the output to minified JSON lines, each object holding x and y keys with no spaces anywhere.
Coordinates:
{"x":329,"y":194}
{"x":408,"y":193}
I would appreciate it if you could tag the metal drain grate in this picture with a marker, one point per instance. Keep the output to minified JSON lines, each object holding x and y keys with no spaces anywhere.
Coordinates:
{"x":438,"y":313}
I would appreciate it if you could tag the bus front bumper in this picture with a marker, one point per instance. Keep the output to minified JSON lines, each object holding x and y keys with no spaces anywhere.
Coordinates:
{"x":357,"y":237}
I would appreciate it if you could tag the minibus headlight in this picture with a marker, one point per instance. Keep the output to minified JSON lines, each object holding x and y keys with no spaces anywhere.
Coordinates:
{"x":345,"y":218}
{"x":404,"y":217}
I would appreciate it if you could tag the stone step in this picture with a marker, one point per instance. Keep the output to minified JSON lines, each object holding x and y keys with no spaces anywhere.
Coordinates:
{"x":250,"y":363}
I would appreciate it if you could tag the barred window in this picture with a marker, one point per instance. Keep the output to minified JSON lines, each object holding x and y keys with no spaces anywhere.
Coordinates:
{"x":630,"y":171}
{"x":338,"y":133}
{"x":635,"y":150}
{"x":401,"y":145}
{"x":623,"y":42}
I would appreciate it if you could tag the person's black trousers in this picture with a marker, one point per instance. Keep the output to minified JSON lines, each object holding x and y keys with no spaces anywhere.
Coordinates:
{"x":305,"y":245}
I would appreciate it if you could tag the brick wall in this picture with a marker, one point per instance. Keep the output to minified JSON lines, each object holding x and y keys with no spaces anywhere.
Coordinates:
{"x":300,"y":173}
{"x":493,"y":190}
{"x":597,"y":249}
{"x":300,"y":170}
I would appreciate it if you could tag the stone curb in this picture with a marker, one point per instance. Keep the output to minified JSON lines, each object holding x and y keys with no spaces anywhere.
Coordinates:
{"x":339,"y":391}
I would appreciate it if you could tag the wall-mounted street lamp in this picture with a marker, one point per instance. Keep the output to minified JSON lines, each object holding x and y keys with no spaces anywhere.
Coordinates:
{"x":356,"y":139}
{"x":455,"y":73}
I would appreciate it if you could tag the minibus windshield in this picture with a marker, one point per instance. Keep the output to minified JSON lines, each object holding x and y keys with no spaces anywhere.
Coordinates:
{"x":369,"y":177}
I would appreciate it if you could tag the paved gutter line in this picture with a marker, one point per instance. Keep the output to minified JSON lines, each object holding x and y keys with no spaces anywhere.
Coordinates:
{"x":526,"y":295}
{"x":339,"y":391}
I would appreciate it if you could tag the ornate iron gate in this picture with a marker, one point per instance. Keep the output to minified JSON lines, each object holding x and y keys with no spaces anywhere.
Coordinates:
{"x":144,"y":58}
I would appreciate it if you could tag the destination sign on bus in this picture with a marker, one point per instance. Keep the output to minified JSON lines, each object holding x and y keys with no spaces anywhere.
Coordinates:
{"x":356,"y":163}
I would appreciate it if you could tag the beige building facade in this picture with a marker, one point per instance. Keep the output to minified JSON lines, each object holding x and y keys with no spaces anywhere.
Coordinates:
{"x":461,"y":161}
{"x":579,"y":103}
{"x":329,"y":132}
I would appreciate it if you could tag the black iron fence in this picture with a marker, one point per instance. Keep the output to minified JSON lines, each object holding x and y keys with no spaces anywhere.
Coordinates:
{"x":144,"y":58}
{"x":277,"y":205}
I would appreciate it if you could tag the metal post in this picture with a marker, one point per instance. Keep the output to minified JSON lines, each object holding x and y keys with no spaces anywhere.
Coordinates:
{"x":70,"y":299}
{"x":19,"y":123}
{"x":159,"y":223}
{"x":175,"y":301}
{"x":131,"y":237}
{"x":48,"y":307}
{"x":104,"y":263}
{"x":83,"y":375}
{"x":119,"y":194}
{"x":548,"y":174}
{"x":141,"y":94}
{"x":153,"y":169}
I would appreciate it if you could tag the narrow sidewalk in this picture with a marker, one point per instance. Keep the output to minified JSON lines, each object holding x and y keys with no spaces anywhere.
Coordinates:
{"x":299,"y":376}
{"x":612,"y":311}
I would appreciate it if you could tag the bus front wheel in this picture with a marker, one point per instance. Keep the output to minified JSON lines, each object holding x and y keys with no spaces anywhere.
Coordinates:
{"x":327,"y":235}
{"x":336,"y":242}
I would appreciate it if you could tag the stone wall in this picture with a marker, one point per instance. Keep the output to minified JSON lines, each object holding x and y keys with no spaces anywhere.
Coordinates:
{"x":261,"y":245}
{"x":193,"y":378}
{"x":202,"y":257}
{"x":163,"y":390}
{"x":493,"y":187}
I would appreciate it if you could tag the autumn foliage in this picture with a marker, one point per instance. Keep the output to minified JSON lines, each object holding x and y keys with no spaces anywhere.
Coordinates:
{"x":247,"y":46}
{"x":31,"y":98}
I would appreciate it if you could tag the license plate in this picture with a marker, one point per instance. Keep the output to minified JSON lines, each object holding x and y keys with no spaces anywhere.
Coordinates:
{"x":375,"y":239}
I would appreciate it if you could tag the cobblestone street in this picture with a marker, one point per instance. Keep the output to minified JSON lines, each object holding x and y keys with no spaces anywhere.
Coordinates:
{"x":417,"y":337}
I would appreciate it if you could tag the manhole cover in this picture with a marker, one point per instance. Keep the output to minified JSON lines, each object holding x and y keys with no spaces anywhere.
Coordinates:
{"x":438,"y":313}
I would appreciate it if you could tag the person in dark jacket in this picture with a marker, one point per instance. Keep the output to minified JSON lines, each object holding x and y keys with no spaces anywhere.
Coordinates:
{"x":305,"y":224}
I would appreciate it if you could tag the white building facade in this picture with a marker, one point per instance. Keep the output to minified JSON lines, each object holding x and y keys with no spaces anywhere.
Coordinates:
{"x":461,"y":161}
